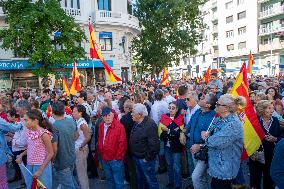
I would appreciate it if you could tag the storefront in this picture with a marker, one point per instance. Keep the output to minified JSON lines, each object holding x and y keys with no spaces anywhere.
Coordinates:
{"x":18,"y":73}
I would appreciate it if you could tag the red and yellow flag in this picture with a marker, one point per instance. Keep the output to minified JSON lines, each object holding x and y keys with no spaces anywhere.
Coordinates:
{"x":95,"y":52}
{"x":75,"y":86}
{"x":207,"y":75}
{"x":165,"y":77}
{"x":250,"y":63}
{"x":166,"y":121}
{"x":48,"y":111}
{"x":65,"y":86}
{"x":36,"y":184}
{"x":253,"y":134}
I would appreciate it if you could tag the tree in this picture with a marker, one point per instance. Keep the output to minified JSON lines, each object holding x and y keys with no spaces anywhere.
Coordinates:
{"x":41,"y":31}
{"x":170,"y":30}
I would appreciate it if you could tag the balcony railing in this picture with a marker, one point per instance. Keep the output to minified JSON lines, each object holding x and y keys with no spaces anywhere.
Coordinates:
{"x":215,"y":43}
{"x":262,"y":1}
{"x":276,"y":10}
{"x":75,"y":13}
{"x":214,"y":4}
{"x":269,"y":30}
{"x":116,"y":18}
{"x":276,"y":44}
{"x":214,"y":18}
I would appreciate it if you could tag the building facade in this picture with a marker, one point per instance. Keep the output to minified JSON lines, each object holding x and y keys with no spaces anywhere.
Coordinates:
{"x":115,"y":27}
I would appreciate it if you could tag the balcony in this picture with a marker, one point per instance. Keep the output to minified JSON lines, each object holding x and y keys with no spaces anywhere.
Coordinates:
{"x":75,"y":13}
{"x":262,"y":1}
{"x":276,"y":10}
{"x":1,"y":12}
{"x":269,"y":30}
{"x":215,"y":29}
{"x":116,"y":18}
{"x":214,"y":18}
{"x":276,"y":44}
{"x":214,"y":5}
{"x":215,"y":43}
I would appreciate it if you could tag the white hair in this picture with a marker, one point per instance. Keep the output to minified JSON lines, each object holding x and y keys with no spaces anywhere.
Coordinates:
{"x":140,"y":109}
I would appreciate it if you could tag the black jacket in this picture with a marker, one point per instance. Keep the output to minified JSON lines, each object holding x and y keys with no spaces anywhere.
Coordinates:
{"x":144,"y":140}
{"x":128,"y":124}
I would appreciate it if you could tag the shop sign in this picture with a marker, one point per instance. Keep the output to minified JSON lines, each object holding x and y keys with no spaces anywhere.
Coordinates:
{"x":24,"y":64}
{"x":105,"y":35}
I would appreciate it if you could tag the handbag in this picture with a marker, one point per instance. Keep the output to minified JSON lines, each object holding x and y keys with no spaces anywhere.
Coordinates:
{"x":258,"y":155}
{"x":202,"y":154}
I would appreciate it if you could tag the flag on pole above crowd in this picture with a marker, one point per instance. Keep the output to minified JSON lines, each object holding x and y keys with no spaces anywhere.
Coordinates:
{"x":250,"y":63}
{"x":206,"y":76}
{"x":75,"y":85}
{"x":65,"y":86}
{"x":253,"y":134}
{"x":95,"y":52}
{"x":165,"y":77}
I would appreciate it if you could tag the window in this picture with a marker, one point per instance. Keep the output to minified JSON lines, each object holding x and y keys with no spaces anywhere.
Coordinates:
{"x":78,"y":4}
{"x":129,"y":7}
{"x":203,"y":58}
{"x":242,"y":30}
{"x":106,"y":41}
{"x":230,"y":47}
{"x":241,"y":15}
{"x":229,"y":5}
{"x":229,"y":19}
{"x":104,"y":5}
{"x":242,"y":45}
{"x":229,"y":34}
{"x":240,"y":2}
{"x":194,"y":60}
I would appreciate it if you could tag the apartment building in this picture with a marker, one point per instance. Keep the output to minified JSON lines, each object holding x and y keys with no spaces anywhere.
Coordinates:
{"x":115,"y":27}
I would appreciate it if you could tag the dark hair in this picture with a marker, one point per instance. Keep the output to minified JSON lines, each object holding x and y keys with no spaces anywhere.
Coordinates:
{"x":24,"y":104}
{"x":159,"y":94}
{"x":276,"y":96}
{"x":182,"y":90}
{"x":13,"y":112}
{"x":35,"y":104}
{"x":82,"y":109}
{"x":174,"y":103}
{"x":43,"y":122}
{"x":26,"y":95}
{"x":58,"y":108}
{"x":83,"y":94}
{"x":212,"y":101}
{"x":121,"y":102}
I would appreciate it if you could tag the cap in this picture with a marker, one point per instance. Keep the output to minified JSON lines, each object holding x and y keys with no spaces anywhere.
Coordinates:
{"x":106,"y":111}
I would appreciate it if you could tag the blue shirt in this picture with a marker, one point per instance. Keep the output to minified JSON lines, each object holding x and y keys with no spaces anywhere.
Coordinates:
{"x":6,"y":127}
{"x":199,"y":122}
{"x":277,"y":165}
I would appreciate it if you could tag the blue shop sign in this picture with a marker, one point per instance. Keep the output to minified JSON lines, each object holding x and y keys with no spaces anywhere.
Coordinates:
{"x":105,"y":35}
{"x":24,"y":64}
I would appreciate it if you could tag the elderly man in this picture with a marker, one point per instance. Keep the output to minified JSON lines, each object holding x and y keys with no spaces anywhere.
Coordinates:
{"x":144,"y":146}
{"x":112,"y":148}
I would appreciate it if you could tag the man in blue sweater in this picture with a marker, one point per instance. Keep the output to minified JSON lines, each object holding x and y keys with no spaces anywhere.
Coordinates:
{"x":277,"y":165}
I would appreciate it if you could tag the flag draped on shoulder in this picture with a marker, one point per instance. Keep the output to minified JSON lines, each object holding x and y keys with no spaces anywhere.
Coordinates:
{"x":250,"y":63}
{"x":166,"y":121}
{"x":165,"y":77}
{"x":65,"y":86}
{"x":75,"y":86}
{"x":253,"y":134}
{"x":207,"y":75}
{"x":95,"y":52}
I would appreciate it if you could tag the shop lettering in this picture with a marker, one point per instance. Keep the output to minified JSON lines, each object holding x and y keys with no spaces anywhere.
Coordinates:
{"x":14,"y":65}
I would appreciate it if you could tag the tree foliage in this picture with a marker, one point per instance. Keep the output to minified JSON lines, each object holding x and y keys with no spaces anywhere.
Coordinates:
{"x":170,"y":30}
{"x":41,"y":31}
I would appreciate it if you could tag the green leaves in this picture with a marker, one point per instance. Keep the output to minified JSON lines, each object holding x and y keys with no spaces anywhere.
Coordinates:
{"x":31,"y":30}
{"x":170,"y":30}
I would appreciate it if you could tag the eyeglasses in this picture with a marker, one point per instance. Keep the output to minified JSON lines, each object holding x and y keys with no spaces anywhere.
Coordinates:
{"x":218,"y":104}
{"x":187,"y":99}
{"x":172,"y":108}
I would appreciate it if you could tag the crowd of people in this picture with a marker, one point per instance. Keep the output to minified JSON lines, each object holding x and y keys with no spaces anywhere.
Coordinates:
{"x":130,"y":132}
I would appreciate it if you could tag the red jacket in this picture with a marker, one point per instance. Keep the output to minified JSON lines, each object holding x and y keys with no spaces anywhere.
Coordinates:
{"x":114,"y":146}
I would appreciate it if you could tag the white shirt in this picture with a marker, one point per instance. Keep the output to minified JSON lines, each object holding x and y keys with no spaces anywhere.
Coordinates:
{"x":190,"y":112}
{"x":106,"y":126}
{"x":169,"y":99}
{"x":81,"y":137}
{"x":157,"y":109}
{"x":19,"y":141}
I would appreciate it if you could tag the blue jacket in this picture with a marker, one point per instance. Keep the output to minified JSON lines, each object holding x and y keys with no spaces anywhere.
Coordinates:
{"x":277,"y":165}
{"x":199,"y":121}
{"x":6,"y":127}
{"x":225,"y":147}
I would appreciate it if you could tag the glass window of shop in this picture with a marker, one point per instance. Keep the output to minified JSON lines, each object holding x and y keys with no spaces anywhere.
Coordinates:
{"x":104,"y":5}
{"x":105,"y":41}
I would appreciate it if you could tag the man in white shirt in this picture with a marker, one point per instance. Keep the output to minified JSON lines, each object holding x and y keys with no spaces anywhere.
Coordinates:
{"x":168,"y":97}
{"x":192,"y":103}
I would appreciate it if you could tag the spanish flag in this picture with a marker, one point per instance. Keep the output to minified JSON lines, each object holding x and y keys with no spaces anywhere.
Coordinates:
{"x":250,"y":63}
{"x":207,"y":75}
{"x":165,"y":77}
{"x":166,"y":121}
{"x":75,"y":81}
{"x":95,"y":52}
{"x":48,"y":111}
{"x":253,"y":134}
{"x":36,"y":184}
{"x":65,"y":86}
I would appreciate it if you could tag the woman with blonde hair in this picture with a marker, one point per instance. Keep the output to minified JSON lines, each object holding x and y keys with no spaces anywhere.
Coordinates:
{"x":260,"y":162}
{"x":225,"y":138}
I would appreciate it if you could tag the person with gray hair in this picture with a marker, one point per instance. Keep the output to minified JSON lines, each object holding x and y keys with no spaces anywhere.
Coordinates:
{"x":144,"y":145}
